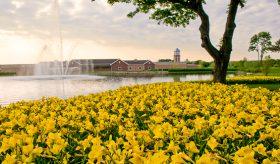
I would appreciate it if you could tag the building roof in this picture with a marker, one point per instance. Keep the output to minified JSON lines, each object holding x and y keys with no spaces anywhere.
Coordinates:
{"x":136,"y":61}
{"x":96,"y":62}
{"x":107,"y":62}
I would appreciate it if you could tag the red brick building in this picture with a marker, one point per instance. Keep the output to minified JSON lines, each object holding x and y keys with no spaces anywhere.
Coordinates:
{"x":139,"y":65}
{"x":119,"y":65}
{"x":89,"y":65}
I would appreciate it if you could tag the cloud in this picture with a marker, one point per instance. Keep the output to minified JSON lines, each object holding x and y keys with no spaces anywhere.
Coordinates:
{"x":18,"y":4}
{"x":107,"y":27}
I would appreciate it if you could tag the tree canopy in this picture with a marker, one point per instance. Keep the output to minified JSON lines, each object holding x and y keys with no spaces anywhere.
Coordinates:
{"x":179,"y":13}
{"x":261,"y":43}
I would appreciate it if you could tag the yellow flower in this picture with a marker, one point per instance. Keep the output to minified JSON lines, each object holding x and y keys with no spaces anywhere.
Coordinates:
{"x":212,"y":143}
{"x":137,"y":159}
{"x":158,"y":132}
{"x":50,"y":125}
{"x":31,"y":130}
{"x":95,"y":153}
{"x":276,"y":153}
{"x":37,"y":150}
{"x":267,"y":161}
{"x":157,"y":158}
{"x":180,"y":158}
{"x":245,"y":155}
{"x":27,"y":149}
{"x":86,"y":143}
{"x":191,"y":147}
{"x":56,"y":149}
{"x":5,"y":145}
{"x":145,"y":124}
{"x":207,"y":159}
{"x":172,"y":147}
{"x":260,"y":149}
{"x":10,"y":159}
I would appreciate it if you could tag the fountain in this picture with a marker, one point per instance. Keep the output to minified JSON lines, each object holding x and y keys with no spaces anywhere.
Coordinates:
{"x":52,"y":61}
{"x":53,"y":75}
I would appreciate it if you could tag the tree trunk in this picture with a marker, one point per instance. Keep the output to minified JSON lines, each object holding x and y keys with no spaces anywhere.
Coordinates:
{"x":221,"y":57}
{"x":261,"y":58}
{"x":220,"y":70}
{"x":258,"y":55}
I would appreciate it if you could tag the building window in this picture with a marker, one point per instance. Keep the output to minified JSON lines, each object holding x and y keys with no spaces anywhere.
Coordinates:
{"x":140,"y":68}
{"x":119,"y":68}
{"x":119,"y":62}
{"x":130,"y":68}
{"x":149,"y":68}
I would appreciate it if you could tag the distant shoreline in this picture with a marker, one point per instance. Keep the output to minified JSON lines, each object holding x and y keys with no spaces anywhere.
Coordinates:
{"x":8,"y":74}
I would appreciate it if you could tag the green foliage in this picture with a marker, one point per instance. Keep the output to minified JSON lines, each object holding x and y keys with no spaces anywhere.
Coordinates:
{"x":204,"y":64}
{"x":164,"y":60}
{"x":269,"y":67}
{"x":274,"y":71}
{"x":276,"y":46}
{"x":261,"y":43}
{"x":174,"y":13}
{"x":195,"y":69}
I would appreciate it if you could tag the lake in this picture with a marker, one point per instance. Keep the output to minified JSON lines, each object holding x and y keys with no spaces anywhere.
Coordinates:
{"x":16,"y":88}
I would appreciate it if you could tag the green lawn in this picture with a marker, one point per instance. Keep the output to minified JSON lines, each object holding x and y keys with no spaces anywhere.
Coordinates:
{"x":196,"y":71}
{"x":274,"y":71}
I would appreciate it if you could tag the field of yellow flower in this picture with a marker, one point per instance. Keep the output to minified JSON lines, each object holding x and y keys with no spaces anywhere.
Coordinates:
{"x":155,"y":123}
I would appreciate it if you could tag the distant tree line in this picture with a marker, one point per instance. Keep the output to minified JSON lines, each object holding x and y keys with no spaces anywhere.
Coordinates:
{"x":165,"y":60}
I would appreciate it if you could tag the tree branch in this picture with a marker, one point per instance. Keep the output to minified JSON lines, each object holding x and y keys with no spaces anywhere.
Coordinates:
{"x":226,"y":47}
{"x":205,"y":31}
{"x":188,"y":4}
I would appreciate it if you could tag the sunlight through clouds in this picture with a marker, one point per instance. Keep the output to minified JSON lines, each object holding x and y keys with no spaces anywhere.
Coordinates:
{"x":108,"y":28}
{"x":18,"y":3}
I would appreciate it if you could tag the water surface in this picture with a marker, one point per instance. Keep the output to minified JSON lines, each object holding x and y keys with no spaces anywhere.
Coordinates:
{"x":16,"y":88}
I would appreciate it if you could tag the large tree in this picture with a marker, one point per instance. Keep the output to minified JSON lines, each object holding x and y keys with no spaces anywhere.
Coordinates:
{"x":261,"y":43}
{"x":180,"y":12}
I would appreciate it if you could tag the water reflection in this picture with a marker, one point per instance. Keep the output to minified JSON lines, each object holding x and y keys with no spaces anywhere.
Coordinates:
{"x":13,"y":89}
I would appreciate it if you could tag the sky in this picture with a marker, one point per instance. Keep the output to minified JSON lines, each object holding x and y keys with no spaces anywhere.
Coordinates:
{"x":30,"y":31}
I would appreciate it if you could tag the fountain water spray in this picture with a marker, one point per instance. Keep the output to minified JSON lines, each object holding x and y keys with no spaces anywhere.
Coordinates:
{"x":52,"y":55}
{"x":57,"y":9}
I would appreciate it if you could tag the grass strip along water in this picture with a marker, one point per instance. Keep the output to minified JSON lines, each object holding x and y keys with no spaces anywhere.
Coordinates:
{"x":7,"y":74}
{"x":197,"y":71}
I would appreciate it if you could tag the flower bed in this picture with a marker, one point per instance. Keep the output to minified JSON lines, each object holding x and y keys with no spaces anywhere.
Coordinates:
{"x":254,"y":80}
{"x":155,"y":123}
